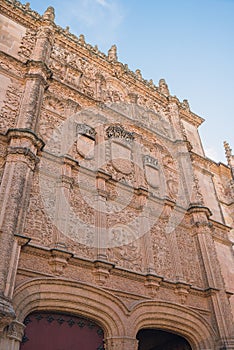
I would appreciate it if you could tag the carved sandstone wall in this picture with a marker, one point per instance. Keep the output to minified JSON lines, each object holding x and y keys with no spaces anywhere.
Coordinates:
{"x":107,"y":196}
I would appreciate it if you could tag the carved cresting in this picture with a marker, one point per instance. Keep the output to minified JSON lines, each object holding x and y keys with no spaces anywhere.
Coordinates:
{"x":117,"y":131}
{"x":84,"y":129}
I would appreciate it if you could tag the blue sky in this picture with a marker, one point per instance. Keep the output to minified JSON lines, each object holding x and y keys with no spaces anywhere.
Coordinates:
{"x":190,"y":43}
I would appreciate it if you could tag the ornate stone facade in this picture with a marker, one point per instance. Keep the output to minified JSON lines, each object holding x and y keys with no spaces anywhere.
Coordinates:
{"x":109,"y":208}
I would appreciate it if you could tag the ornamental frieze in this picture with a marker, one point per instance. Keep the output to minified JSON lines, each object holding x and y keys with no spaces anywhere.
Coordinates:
{"x":10,"y":108}
{"x":118,"y":132}
{"x":27,"y":44}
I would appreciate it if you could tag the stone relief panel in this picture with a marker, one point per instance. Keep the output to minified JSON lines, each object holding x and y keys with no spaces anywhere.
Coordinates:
{"x":189,"y":257}
{"x":123,"y":225}
{"x":54,"y":104}
{"x":126,"y":255}
{"x":37,"y":225}
{"x":55,"y":110}
{"x":223,"y":188}
{"x":150,"y":114}
{"x":81,"y":233}
{"x":161,"y":251}
{"x":5,"y":82}
{"x":48,"y":125}
{"x":41,"y":221}
{"x":80,"y":72}
{"x":27,"y":44}
{"x":8,"y":64}
{"x":115,"y":93}
{"x":10,"y":108}
{"x":77,"y":71}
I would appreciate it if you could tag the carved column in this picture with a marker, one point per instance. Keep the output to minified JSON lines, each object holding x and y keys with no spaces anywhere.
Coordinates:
{"x":21,"y":161}
{"x":38,"y":73}
{"x":19,"y":241}
{"x":215,"y":285}
{"x":12,"y":336}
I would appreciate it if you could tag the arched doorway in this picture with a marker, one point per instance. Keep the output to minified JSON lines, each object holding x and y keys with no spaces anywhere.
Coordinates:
{"x":58,"y":331}
{"x":155,"y":339}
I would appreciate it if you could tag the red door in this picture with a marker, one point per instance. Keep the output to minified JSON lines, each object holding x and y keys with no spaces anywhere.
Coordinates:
{"x":55,"y":331}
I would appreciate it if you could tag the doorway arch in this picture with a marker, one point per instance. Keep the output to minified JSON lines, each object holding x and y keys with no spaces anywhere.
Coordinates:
{"x":157,"y":339}
{"x":59,"y":331}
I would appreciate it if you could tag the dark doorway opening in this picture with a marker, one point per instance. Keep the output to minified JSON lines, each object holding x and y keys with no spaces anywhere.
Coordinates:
{"x":155,"y":339}
{"x":59,"y":331}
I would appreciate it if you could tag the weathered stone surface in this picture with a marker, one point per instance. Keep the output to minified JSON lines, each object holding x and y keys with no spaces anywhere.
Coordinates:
{"x":106,"y":194}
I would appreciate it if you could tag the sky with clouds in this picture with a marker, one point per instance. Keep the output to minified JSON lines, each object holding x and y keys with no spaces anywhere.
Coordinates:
{"x":190,"y":43}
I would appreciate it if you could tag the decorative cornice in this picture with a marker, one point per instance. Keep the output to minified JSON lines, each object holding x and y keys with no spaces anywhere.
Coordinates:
{"x":59,"y":260}
{"x":26,"y":133}
{"x":24,"y":151}
{"x":153,"y":282}
{"x":22,"y":240}
{"x":38,"y":69}
{"x":102,"y":270}
{"x":199,"y":209}
{"x":190,"y":117}
{"x":182,"y":289}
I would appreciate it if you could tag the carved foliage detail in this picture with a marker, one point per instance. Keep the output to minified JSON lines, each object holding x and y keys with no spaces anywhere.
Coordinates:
{"x":117,"y":131}
{"x":189,"y":257}
{"x":10,"y":109}
{"x":127,"y":250}
{"x":16,"y":330}
{"x":161,"y":252}
{"x":27,"y":44}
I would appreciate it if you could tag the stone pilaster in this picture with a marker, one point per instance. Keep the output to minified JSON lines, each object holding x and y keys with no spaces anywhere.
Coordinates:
{"x":215,"y":284}
{"x":19,"y":241}
{"x":21,"y":160}
{"x":64,"y":186}
{"x":38,"y":73}
{"x":100,"y":215}
{"x":101,"y":196}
